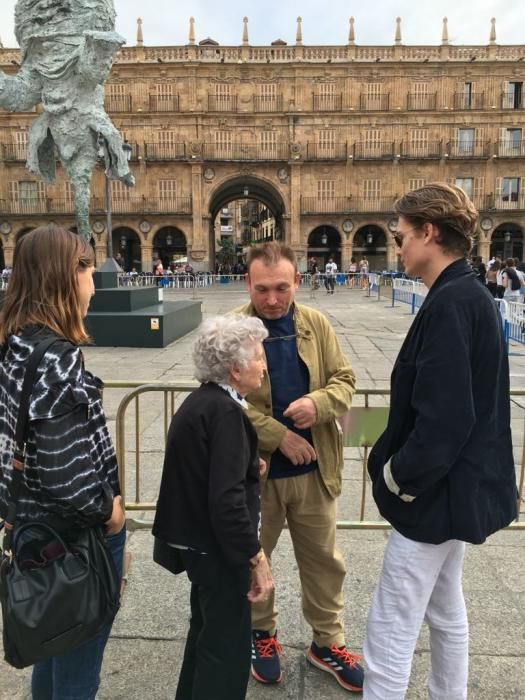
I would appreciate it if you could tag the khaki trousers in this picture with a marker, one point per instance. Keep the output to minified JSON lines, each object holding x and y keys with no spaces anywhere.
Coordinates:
{"x":310,"y":511}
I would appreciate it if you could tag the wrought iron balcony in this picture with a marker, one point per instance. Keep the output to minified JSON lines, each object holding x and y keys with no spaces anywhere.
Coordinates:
{"x":467,"y":149}
{"x":383,"y":150}
{"x":515,"y":200}
{"x":14,"y":152}
{"x":162,"y":151}
{"x":374,"y":103}
{"x":416,"y":151}
{"x":118,"y":103}
{"x":508,"y":148}
{"x":144,"y":205}
{"x":327,"y":103}
{"x":416,"y":102}
{"x":331,"y":151}
{"x":512,"y":100}
{"x":163,"y":103}
{"x":328,"y":205}
{"x":267,"y":103}
{"x":474,"y":100}
{"x":222,"y":103}
{"x":374,"y":204}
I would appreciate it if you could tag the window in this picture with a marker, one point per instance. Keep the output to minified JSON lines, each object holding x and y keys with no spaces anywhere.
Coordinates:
{"x":466,"y":141}
{"x":167,"y":189}
{"x":510,"y":189}
{"x":466,"y":184}
{"x":267,"y":98}
{"x":325,"y":189}
{"x":269,"y":142}
{"x":414,"y":183}
{"x":467,"y":95}
{"x":513,"y":95}
{"x":371,"y":189}
{"x":223,"y":96}
{"x":510,"y":142}
{"x":372,"y":142}
{"x":418,"y":142}
{"x":27,"y":191}
{"x":69,"y":192}
{"x":223,"y":143}
{"x":326,"y":146}
{"x":373,"y":96}
{"x":20,"y":145}
{"x":119,"y":191}
{"x":419,"y":97}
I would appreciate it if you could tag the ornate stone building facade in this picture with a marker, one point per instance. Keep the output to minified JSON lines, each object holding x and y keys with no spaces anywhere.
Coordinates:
{"x":322,"y":137}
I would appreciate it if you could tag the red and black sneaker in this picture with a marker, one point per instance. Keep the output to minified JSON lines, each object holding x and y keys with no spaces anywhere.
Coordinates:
{"x":341,"y":663}
{"x":266,"y":663}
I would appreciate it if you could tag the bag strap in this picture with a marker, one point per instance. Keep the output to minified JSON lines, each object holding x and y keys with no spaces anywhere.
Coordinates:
{"x":21,"y":434}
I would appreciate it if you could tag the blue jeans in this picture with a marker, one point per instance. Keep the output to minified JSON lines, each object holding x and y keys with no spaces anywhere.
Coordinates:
{"x":76,"y":675}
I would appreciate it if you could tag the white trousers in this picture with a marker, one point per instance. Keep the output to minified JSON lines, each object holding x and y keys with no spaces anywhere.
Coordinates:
{"x":418,"y":582}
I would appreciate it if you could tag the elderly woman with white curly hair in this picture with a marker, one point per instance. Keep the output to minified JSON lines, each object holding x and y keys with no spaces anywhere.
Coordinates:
{"x":208,"y":509}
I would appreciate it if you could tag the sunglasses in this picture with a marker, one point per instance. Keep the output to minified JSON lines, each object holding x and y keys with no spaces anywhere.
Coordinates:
{"x":398,"y":238}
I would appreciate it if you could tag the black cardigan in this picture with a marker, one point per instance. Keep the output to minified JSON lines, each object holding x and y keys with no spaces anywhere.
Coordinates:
{"x":209,"y":493}
{"x":448,"y":436}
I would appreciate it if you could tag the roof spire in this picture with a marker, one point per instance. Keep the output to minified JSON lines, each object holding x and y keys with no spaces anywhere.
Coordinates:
{"x":140,"y":35}
{"x":191,"y":36}
{"x":299,"y":33}
{"x":493,"y":30}
{"x":444,"y":33}
{"x":351,"y":32}
{"x":245,"y":31}
{"x":398,"y":30}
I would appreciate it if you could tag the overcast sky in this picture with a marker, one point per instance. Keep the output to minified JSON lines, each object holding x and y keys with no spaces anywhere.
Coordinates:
{"x":166,"y":21}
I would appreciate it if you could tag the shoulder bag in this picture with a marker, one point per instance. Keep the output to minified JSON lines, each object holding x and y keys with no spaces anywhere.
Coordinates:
{"x":56,"y":591}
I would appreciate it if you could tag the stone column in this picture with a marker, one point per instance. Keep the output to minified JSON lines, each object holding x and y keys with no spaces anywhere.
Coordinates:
{"x":346,"y":254}
{"x":294,"y":234}
{"x":391,"y":254}
{"x":484,"y":247}
{"x":199,"y":242}
{"x":9,"y":250}
{"x":146,"y":257}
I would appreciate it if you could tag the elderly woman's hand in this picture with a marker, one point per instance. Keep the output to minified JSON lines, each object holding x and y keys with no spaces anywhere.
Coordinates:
{"x":261,"y":584}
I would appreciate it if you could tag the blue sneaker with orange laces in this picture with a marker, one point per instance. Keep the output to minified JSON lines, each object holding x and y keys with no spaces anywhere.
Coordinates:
{"x":266,"y":663}
{"x":341,"y":663}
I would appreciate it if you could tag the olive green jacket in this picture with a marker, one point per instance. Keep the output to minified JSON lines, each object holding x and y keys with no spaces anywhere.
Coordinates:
{"x":332,"y":385}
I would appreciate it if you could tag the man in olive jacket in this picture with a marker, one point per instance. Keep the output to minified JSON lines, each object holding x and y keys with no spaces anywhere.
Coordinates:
{"x":308,"y":384}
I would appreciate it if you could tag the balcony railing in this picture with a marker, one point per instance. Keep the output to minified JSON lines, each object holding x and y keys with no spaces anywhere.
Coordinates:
{"x":143,"y":205}
{"x":163,"y":103}
{"x":374,"y":103}
{"x":474,"y":100}
{"x":14,"y":151}
{"x":222,"y":103}
{"x":421,"y":102}
{"x":27,"y":206}
{"x":327,"y":103}
{"x":383,"y":150}
{"x":510,"y":149}
{"x":512,"y":201}
{"x":117,"y":103}
{"x":468,"y":149}
{"x":512,"y":100}
{"x":267,"y":103}
{"x":416,"y":151}
{"x":330,"y":205}
{"x":373,"y":204}
{"x":331,"y":151}
{"x":163,"y":151}
{"x":246,"y":151}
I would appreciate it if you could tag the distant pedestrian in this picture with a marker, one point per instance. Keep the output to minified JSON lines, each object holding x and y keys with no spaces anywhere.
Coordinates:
{"x":330,"y":272}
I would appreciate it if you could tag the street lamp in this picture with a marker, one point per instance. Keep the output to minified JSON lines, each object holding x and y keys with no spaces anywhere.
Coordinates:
{"x":245,"y":191}
{"x":324,"y":239}
{"x":369,"y":238}
{"x":169,"y":240}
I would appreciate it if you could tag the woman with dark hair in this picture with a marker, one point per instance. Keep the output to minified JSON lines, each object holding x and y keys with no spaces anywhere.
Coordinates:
{"x":492,"y":278}
{"x":70,"y":476}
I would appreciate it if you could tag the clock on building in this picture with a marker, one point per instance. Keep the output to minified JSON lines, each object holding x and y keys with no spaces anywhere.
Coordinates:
{"x":392,"y":225}
{"x":5,"y":228}
{"x":347,"y":226}
{"x":486,"y":223}
{"x":145,"y":226}
{"x":98,"y":226}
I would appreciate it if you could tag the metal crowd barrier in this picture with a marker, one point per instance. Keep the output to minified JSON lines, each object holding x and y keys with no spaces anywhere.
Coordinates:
{"x":408,"y":292}
{"x":361,"y":427}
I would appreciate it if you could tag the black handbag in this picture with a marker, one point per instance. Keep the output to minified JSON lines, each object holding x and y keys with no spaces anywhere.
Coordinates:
{"x":57,"y":591}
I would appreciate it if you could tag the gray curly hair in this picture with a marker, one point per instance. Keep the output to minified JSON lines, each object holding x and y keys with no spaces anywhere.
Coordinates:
{"x":223,"y":341}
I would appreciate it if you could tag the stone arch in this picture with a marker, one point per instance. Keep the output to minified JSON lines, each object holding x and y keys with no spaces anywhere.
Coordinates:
{"x":246,"y":187}
{"x":507,"y":241}
{"x":169,"y":242}
{"x":324,"y":242}
{"x":370,"y":242}
{"x":127,"y":248}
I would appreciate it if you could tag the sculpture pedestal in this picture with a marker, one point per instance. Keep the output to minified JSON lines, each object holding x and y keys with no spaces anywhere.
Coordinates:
{"x":136,"y":317}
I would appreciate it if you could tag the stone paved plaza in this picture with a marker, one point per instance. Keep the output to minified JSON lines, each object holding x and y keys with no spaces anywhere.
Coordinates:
{"x":145,"y":650}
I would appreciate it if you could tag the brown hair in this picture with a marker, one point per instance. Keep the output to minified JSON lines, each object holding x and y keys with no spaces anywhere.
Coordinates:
{"x":510,"y":262}
{"x":448,"y":208}
{"x":43,"y":287}
{"x":271,"y":253}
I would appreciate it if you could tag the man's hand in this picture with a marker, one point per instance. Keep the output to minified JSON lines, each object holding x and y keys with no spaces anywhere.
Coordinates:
{"x":297,"y":449}
{"x":118,"y":518}
{"x":302,"y":412}
{"x":261,"y":583}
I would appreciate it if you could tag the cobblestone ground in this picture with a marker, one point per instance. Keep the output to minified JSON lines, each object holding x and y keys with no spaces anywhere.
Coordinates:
{"x":145,"y":650}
